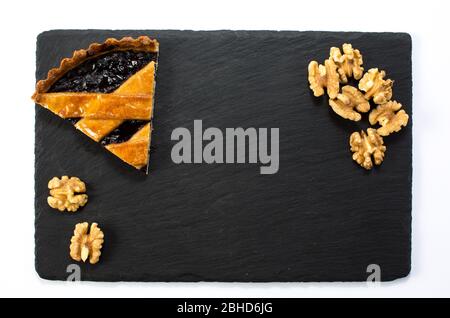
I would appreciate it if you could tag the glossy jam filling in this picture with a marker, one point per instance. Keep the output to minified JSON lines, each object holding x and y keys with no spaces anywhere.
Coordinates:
{"x":103,"y":74}
{"x":124,"y":132}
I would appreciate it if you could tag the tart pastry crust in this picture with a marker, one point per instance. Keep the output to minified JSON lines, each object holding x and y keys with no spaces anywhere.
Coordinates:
{"x":142,"y":43}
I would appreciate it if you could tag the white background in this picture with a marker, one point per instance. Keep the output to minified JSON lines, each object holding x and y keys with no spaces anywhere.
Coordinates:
{"x":427,"y":22}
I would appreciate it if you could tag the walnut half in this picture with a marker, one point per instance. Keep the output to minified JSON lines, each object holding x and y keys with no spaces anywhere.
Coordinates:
{"x":364,"y":146}
{"x":349,"y":63}
{"x":65,"y":193}
{"x":84,"y":245}
{"x":346,"y":102}
{"x":321,"y":76}
{"x":375,"y":86}
{"x":390,"y":117}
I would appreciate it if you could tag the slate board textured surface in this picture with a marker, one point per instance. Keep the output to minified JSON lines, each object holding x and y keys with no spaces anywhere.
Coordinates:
{"x":320,"y":218}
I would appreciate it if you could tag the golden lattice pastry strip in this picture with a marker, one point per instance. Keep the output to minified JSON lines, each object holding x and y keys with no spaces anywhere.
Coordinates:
{"x":349,"y":102}
{"x":67,"y":193}
{"x":86,"y":243}
{"x":141,"y":85}
{"x":349,"y":63}
{"x":367,"y":146}
{"x":135,"y":150}
{"x":390,"y":117}
{"x":323,"y":76}
{"x":375,"y":86}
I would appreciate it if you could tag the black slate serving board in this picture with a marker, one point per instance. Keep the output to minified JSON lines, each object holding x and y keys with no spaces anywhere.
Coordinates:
{"x":320,"y":218}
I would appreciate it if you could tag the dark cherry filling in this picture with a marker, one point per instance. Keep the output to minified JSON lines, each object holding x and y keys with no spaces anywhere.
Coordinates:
{"x":103,"y":74}
{"x":123,"y":132}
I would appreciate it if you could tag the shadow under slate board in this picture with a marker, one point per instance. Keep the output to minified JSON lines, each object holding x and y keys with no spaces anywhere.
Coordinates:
{"x":321,"y":217}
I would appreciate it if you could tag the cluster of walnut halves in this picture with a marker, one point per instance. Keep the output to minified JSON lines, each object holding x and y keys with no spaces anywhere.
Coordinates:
{"x":338,"y":68}
{"x":68,"y":194}
{"x":349,"y":102}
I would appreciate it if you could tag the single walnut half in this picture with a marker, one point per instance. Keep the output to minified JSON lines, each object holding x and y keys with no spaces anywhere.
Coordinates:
{"x":321,"y":76}
{"x":346,"y":102}
{"x":349,"y":63}
{"x":375,"y":86}
{"x":390,"y":117}
{"x":65,"y":193}
{"x":84,"y":245}
{"x":364,"y":146}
